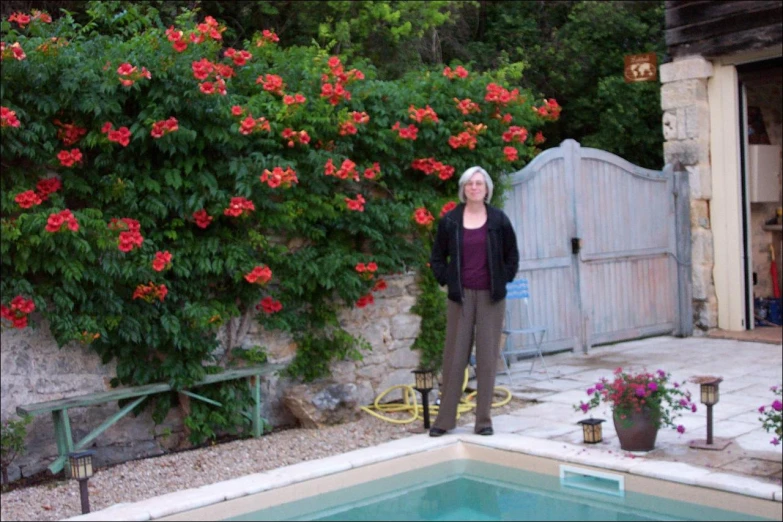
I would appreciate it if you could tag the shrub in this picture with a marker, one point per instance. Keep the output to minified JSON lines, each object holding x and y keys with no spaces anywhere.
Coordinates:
{"x":12,"y":442}
{"x":157,"y":185}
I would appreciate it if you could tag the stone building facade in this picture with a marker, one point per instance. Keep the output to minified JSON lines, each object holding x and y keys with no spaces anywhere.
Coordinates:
{"x":724,"y":58}
{"x":35,"y":370}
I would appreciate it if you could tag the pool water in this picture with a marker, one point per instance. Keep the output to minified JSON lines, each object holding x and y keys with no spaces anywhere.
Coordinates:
{"x":472,"y":490}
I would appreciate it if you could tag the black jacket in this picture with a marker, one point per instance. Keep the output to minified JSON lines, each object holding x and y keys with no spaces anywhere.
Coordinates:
{"x":502,"y":253}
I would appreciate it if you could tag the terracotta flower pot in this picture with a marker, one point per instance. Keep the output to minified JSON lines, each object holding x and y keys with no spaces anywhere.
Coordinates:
{"x":637,"y":432}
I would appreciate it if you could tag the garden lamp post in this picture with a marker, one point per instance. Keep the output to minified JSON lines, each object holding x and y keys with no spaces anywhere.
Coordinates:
{"x":424,"y":379}
{"x":709,"y":394}
{"x":591,"y":430}
{"x":81,"y":469}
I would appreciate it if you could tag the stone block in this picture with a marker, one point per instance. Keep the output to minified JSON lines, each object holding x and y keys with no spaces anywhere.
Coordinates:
{"x":365,"y":394}
{"x":686,"y":68}
{"x":670,"y":125}
{"x":344,"y":371}
{"x":394,"y":378}
{"x":705,"y":314}
{"x":700,"y":213}
{"x":687,"y":152}
{"x":372,"y":372}
{"x":700,"y":181}
{"x":404,"y":344}
{"x":405,"y":326}
{"x":702,"y":249}
{"x":404,"y":359}
{"x":376,"y":332}
{"x":696,"y":121}
{"x":323,"y":403}
{"x":701,"y":277}
{"x":683,"y":94}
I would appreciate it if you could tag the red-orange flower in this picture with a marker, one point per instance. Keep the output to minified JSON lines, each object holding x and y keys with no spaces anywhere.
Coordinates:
{"x":202,"y":219}
{"x":277,"y":177}
{"x":372,"y":172}
{"x":423,"y":216}
{"x":239,"y":206}
{"x":162,"y":261}
{"x":467,"y":106}
{"x":28,"y":199}
{"x":57,"y":220}
{"x":260,"y":275}
{"x":163,"y":127}
{"x":460,"y":72}
{"x":356,"y":204}
{"x":129,"y":240}
{"x":8,"y":118}
{"x":69,"y":158}
{"x":267,"y":36}
{"x":427,"y":114}
{"x":272,"y":83}
{"x":463,"y":139}
{"x":448,"y":207}
{"x":150,"y":292}
{"x":408,"y":133}
{"x":511,"y":153}
{"x":365,"y":300}
{"x":47,"y":186}
{"x":269,"y":305}
{"x":514,"y":133}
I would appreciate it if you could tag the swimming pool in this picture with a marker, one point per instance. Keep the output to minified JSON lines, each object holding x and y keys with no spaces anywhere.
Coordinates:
{"x":380,"y":480}
{"x":467,"y":489}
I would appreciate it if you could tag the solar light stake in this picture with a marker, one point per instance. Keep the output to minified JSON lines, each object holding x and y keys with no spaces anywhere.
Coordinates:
{"x":709,"y":394}
{"x":81,"y":470}
{"x":423,"y":385}
{"x":709,"y":397}
{"x":591,"y":430}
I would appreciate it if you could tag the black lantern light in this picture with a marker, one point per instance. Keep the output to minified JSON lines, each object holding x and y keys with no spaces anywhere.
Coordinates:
{"x":709,"y":397}
{"x":81,"y":470}
{"x":424,"y":383}
{"x":591,"y":429}
{"x":710,"y":394}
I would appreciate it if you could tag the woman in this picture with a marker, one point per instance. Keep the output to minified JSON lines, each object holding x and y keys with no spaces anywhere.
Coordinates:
{"x":475,"y":254}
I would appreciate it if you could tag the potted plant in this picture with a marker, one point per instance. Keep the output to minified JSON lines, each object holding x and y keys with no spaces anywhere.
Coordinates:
{"x":771,"y":416}
{"x":641,"y":403}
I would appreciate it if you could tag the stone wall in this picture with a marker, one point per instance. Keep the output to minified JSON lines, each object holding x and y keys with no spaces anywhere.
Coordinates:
{"x":686,"y":131}
{"x":34,"y":370}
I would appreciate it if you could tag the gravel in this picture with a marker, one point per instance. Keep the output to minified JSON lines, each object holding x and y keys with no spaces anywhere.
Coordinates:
{"x":141,"y":479}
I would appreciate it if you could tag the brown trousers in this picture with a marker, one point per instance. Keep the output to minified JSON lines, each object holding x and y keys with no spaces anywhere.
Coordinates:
{"x":480,"y":319}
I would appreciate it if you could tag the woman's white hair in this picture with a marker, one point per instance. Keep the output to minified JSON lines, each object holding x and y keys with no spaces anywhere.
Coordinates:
{"x":469,"y":174}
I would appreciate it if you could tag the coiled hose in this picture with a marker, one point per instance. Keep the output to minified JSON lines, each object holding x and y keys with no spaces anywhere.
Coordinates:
{"x":410,"y":404}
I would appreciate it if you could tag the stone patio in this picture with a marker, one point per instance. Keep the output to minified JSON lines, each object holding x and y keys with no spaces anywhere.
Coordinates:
{"x":748,"y":369}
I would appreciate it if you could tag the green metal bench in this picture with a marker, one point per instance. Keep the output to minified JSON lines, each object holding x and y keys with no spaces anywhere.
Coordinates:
{"x":62,"y":425}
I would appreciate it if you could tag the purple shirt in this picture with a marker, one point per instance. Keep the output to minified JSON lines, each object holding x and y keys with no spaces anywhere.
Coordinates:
{"x":475,"y":271}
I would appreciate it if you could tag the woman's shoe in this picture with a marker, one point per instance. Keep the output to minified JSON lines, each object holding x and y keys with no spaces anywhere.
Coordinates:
{"x":485,"y":431}
{"x":437,"y":432}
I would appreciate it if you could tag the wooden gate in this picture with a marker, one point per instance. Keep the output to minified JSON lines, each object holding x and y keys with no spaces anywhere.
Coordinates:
{"x":605,"y":245}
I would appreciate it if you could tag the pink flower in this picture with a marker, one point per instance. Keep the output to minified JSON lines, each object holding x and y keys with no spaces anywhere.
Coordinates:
{"x":653,"y":386}
{"x":775,"y":441}
{"x":680,"y":429}
{"x":584,"y":407}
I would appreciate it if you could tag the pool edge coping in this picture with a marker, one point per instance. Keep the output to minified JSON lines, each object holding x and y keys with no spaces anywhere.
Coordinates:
{"x":184,"y":500}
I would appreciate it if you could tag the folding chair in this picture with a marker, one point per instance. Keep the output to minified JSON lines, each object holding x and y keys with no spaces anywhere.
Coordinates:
{"x":517,"y":297}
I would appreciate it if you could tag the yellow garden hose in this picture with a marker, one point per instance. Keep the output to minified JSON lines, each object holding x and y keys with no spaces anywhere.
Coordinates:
{"x":409,"y":403}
